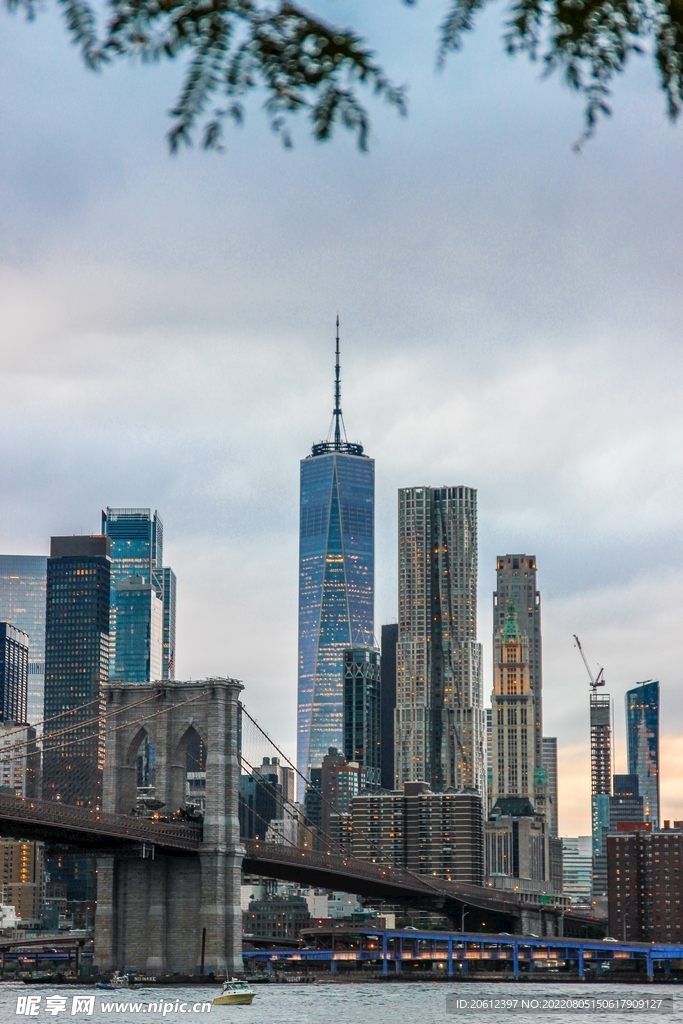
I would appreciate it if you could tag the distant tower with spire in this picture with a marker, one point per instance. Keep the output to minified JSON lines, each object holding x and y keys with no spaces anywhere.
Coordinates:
{"x":336,"y":579}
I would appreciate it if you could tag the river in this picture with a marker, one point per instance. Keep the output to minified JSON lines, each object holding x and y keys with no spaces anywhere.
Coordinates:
{"x":344,"y":1003}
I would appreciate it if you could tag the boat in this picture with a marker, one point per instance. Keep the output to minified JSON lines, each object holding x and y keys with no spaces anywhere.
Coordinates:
{"x":117,"y":980}
{"x":235,"y":993}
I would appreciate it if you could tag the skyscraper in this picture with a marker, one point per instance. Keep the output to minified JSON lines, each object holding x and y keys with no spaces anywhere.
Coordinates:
{"x":168,"y":655}
{"x":13,"y":673}
{"x":23,"y":580}
{"x":642,"y":730}
{"x":336,"y":580}
{"x":516,"y":582}
{"x":440,"y":724}
{"x":362,"y":710}
{"x":388,"y":702}
{"x":550,"y":765}
{"x":139,"y":631}
{"x":513,"y":714}
{"x":137,"y":546}
{"x":76,"y":663}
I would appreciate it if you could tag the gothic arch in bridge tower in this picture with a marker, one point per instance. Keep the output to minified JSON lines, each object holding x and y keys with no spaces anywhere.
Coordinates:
{"x":153,"y":909}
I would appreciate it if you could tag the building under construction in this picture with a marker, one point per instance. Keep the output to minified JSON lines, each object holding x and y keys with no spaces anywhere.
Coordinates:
{"x":601,"y":771}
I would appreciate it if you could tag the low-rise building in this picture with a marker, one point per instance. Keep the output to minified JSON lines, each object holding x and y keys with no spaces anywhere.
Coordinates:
{"x":517,"y":841}
{"x":577,"y":868}
{"x":277,"y":918}
{"x":428,"y":833}
{"x":19,"y":760}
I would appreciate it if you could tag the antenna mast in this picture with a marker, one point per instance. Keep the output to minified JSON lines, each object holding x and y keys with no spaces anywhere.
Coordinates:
{"x":337,"y":395}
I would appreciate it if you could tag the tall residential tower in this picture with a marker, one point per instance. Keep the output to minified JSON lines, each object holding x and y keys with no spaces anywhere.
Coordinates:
{"x":440,"y":724}
{"x":642,"y":727}
{"x":336,"y":580}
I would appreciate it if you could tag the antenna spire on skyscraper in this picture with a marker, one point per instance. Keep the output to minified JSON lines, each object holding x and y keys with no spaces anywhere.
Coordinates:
{"x":337,"y":440}
{"x":337,"y":395}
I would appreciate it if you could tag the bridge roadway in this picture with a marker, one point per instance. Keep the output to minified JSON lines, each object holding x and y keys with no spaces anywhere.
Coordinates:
{"x":58,"y":823}
{"x":54,"y":822}
{"x":364,"y":878}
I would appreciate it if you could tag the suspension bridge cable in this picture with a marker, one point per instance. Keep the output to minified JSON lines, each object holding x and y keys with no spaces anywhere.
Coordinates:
{"x":424,"y":879}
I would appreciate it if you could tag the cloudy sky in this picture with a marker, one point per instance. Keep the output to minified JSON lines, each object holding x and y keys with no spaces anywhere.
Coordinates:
{"x":511,"y":320}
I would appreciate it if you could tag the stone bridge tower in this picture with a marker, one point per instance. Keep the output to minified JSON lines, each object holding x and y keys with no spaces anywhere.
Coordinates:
{"x":165,"y":913}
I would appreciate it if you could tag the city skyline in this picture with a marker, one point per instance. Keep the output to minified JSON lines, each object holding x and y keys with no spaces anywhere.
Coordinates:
{"x":563,"y":829}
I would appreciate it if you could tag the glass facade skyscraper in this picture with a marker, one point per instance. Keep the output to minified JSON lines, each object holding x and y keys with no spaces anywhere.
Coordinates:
{"x":76,"y":663}
{"x":23,"y":579}
{"x":139,"y":631}
{"x":137,"y":546}
{"x":336,"y":583}
{"x":13,"y":673}
{"x":642,"y":726}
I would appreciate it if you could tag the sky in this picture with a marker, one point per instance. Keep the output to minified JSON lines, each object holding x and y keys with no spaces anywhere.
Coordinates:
{"x":510,"y":320}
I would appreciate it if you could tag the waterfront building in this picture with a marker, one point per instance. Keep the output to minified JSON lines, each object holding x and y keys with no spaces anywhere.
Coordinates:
{"x":76,"y":663}
{"x":440,"y":722}
{"x":13,"y":673}
{"x":577,"y":868}
{"x":23,"y":581}
{"x":645,"y":882}
{"x":137,"y":545}
{"x":19,"y":760}
{"x":388,"y":702}
{"x":336,"y":581}
{"x":550,"y":765}
{"x":23,"y":877}
{"x":517,"y":584}
{"x":277,"y":917}
{"x":642,"y":733}
{"x":139,"y":633}
{"x":362,"y":733}
{"x":437,"y":834}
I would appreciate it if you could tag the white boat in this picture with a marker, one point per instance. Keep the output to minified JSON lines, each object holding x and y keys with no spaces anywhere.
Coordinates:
{"x":235,"y":993}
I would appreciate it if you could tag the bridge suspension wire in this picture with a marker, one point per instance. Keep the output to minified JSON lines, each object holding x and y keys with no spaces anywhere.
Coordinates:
{"x":424,"y":879}
{"x":72,"y":728}
{"x":264,"y":821}
{"x":127,"y":725}
{"x":11,"y":752}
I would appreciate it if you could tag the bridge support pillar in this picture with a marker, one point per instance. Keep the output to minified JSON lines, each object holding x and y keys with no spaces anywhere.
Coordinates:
{"x":219,"y":912}
{"x":153,"y":911}
{"x":104,"y":954}
{"x":450,"y":958}
{"x":156,"y":961}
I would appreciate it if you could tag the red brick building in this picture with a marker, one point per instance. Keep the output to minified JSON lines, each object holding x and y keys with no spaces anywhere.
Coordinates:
{"x":645,"y":882}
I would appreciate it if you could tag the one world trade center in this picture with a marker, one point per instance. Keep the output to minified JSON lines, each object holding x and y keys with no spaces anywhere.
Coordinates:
{"x":336,"y":580}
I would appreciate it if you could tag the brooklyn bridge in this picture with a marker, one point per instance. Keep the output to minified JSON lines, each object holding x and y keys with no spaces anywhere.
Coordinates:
{"x":168,"y":888}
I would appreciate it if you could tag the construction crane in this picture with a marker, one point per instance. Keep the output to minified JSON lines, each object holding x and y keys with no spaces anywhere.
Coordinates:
{"x":595,"y":680}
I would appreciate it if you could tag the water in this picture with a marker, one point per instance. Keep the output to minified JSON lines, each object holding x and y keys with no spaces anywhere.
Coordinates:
{"x":344,"y":1003}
